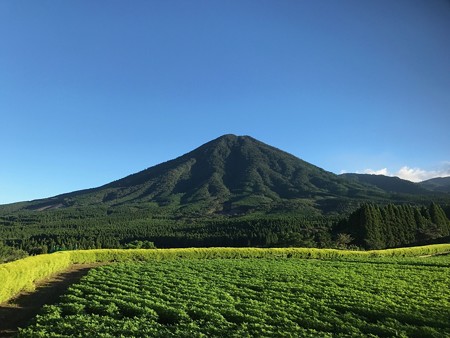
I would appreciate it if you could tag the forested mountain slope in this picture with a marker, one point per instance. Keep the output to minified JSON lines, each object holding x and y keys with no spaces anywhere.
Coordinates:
{"x":388,"y":184}
{"x":437,"y":184}
{"x":231,"y":191}
{"x":231,"y":174}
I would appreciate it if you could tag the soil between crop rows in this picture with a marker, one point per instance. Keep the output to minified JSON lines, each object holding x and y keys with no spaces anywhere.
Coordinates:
{"x":19,"y":311}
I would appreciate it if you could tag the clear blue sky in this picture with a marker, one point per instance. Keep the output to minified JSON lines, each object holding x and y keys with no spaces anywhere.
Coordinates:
{"x":91,"y":91}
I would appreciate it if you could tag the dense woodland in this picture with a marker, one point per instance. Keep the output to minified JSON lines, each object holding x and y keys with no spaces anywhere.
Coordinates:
{"x":64,"y":230}
{"x":369,"y":227}
{"x":378,"y":227}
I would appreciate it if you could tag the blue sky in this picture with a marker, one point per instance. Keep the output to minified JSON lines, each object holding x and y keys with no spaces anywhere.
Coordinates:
{"x":91,"y":91}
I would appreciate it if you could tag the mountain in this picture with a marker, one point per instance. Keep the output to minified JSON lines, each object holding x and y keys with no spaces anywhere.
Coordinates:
{"x":441,"y":184}
{"x":236,"y":175}
{"x":229,"y":175}
{"x":231,"y":191}
{"x":388,"y":183}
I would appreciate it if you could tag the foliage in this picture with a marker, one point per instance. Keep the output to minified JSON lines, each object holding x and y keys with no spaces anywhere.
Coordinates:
{"x":68,"y":229}
{"x":437,"y":184}
{"x":140,"y":245}
{"x":388,"y":184}
{"x":371,"y":226}
{"x":376,"y":227}
{"x":253,"y":298}
{"x":22,"y":274}
{"x":8,"y":254}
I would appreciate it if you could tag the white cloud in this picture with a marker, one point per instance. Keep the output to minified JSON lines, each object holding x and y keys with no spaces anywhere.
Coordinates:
{"x":383,"y":171}
{"x":413,"y":174}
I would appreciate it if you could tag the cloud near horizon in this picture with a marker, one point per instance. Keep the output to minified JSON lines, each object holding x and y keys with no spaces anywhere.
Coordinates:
{"x":413,"y":174}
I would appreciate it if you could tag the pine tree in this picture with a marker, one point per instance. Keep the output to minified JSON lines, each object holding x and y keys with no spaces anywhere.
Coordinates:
{"x":439,"y":218}
{"x":370,"y":222}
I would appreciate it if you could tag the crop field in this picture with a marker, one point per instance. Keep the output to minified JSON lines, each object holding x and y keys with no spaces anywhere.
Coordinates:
{"x":255,"y":297}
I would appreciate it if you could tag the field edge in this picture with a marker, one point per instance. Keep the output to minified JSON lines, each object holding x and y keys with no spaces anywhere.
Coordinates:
{"x":23,"y":274}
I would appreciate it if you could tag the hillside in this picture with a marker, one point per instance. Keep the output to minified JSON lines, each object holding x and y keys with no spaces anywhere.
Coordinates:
{"x":441,"y":184}
{"x":388,"y":184}
{"x":231,"y":175}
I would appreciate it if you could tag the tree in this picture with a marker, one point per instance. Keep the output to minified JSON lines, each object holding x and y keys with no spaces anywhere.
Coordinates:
{"x":343,"y":240}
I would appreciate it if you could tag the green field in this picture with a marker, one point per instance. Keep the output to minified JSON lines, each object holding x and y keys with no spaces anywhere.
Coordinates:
{"x":256,"y":297}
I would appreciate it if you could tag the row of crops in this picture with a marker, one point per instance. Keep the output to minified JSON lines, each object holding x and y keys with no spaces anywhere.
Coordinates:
{"x":22,"y":274}
{"x":264,"y":297}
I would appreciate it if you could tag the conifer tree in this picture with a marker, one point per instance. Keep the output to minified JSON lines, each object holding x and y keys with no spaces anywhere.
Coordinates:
{"x":371,"y":225}
{"x":439,"y":218}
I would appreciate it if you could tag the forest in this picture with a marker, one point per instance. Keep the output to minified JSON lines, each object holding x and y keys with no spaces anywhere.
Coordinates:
{"x":368,"y":227}
{"x":378,"y":227}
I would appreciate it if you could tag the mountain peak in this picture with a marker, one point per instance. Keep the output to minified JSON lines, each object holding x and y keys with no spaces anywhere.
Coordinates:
{"x":226,"y":174}
{"x":232,"y":138}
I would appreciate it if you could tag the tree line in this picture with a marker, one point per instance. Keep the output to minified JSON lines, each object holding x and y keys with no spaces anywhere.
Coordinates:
{"x":378,"y":227}
{"x":368,"y":227}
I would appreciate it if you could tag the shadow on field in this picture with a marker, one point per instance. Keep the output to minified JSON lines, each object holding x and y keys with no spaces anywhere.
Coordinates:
{"x":19,"y":311}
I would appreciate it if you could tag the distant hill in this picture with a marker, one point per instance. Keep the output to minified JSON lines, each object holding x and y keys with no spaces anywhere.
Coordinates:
{"x":387,"y":183}
{"x":441,"y":184}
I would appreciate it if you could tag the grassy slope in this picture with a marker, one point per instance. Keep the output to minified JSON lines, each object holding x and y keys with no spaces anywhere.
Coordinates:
{"x":22,"y":274}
